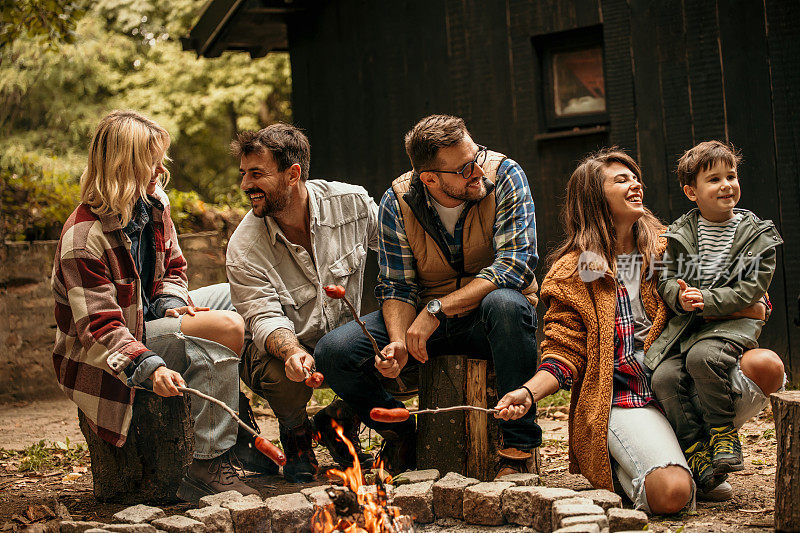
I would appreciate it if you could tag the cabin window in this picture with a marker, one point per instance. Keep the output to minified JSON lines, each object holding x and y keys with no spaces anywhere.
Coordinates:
{"x":572,"y":78}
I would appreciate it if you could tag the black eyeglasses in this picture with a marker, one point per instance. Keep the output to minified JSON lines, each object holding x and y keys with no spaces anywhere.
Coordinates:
{"x":469,"y":168}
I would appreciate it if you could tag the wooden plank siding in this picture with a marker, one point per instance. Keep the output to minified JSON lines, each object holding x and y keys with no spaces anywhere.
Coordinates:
{"x":677,"y":72}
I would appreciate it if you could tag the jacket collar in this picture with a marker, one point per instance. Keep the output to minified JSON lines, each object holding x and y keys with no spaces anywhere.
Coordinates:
{"x":110,"y":222}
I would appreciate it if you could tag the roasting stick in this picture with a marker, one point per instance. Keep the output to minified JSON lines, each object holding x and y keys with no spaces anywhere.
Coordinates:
{"x":337,"y":292}
{"x":400,"y":414}
{"x":261,"y":444}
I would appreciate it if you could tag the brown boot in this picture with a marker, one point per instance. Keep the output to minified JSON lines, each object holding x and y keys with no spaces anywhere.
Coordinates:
{"x":211,"y":476}
{"x":301,"y":463}
{"x":245,"y":448}
{"x":514,"y":461}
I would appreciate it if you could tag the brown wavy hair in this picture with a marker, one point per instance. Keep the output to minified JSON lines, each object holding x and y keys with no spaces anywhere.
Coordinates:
{"x":587,"y":219}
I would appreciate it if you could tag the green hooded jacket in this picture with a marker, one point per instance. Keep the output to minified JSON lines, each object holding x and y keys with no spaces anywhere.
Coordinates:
{"x":752,"y":256}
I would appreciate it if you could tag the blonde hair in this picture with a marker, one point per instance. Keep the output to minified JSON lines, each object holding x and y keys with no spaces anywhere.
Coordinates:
{"x":122,"y":154}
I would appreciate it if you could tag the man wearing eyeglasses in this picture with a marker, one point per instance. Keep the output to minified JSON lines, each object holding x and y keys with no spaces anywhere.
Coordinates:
{"x":457,"y":250}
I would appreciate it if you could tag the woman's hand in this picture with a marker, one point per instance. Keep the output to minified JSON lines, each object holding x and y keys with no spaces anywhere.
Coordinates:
{"x":166,"y":381}
{"x":514,"y":405}
{"x":185,"y":310}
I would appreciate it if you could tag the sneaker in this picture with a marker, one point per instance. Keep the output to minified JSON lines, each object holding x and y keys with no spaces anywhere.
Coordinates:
{"x":212,"y":476}
{"x":245,"y":449}
{"x":698,"y":455}
{"x":398,"y":453}
{"x":721,"y":493}
{"x":325,"y":434}
{"x":726,"y":450}
{"x":301,"y":463}
{"x":515,"y":461}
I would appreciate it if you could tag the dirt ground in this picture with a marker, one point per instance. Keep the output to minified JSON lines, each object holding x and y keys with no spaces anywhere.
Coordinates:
{"x":24,"y":424}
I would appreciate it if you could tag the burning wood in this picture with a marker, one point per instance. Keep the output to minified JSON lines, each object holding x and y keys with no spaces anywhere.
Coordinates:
{"x":354,"y":511}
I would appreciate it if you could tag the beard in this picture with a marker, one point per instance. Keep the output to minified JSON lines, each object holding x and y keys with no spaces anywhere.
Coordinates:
{"x":272,"y":204}
{"x":465,"y":194}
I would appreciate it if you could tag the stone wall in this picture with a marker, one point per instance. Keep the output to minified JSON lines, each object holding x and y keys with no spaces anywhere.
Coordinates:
{"x":27,"y":325}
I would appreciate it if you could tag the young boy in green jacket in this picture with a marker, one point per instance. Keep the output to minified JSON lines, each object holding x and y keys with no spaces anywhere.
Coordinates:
{"x":717,"y":269}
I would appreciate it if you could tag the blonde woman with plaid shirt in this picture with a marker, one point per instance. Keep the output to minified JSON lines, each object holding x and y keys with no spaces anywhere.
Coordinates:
{"x":124,"y":313}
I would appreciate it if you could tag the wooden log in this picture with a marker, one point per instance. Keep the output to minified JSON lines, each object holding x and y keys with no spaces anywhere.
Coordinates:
{"x":440,"y":438}
{"x":149,"y":466}
{"x":477,"y":431}
{"x":786,"y":412}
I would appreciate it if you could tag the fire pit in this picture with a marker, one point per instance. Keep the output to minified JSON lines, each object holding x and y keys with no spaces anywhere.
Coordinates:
{"x":355,"y":511}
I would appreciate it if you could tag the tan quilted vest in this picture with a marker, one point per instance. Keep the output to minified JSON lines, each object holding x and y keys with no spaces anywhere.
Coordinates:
{"x":434,"y":273}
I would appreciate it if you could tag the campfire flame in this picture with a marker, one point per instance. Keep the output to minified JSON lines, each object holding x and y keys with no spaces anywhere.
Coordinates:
{"x":373,"y":515}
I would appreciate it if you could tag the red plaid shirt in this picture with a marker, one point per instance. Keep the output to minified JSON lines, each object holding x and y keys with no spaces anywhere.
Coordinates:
{"x":631,"y":381}
{"x":98,"y":311}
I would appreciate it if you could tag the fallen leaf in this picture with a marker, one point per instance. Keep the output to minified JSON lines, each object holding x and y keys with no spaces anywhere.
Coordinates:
{"x":80,"y":469}
{"x":756,"y":511}
{"x":38,"y":512}
{"x":72,"y":476}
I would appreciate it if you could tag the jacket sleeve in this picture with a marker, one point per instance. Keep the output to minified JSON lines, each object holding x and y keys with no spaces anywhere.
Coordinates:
{"x":564,"y":329}
{"x":94,"y":301}
{"x":751,"y":286}
{"x":668,"y":287}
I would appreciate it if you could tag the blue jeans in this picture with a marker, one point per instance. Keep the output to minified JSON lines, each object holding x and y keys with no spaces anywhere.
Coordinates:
{"x":205,"y":365}
{"x":503,"y":328}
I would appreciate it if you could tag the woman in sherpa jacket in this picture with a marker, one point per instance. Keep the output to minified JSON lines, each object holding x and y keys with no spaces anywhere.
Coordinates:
{"x":603,"y":312}
{"x":124,"y":313}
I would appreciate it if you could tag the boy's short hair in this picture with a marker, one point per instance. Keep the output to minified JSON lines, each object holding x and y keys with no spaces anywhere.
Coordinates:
{"x":287,"y":144}
{"x":430,"y":134}
{"x":704,"y":156}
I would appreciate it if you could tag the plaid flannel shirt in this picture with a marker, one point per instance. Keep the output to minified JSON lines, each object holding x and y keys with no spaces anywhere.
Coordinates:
{"x":98,"y":311}
{"x":631,"y":382}
{"x":514,"y":240}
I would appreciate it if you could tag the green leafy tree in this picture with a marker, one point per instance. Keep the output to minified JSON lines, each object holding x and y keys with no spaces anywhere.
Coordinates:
{"x":126,"y":54}
{"x":50,"y":22}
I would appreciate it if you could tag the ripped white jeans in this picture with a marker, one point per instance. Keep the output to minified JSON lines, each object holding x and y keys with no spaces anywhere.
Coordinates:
{"x":640,"y":439}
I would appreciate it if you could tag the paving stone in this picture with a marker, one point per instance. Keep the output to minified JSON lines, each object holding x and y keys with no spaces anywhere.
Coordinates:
{"x":130,"y":528}
{"x":373,"y":490}
{"x":319,"y":499}
{"x":311,"y":490}
{"x":216,"y":519}
{"x":573,"y":507}
{"x":521,"y":479}
{"x":179,"y":524}
{"x":483,"y":503}
{"x":289,"y":513}
{"x":249,"y":515}
{"x":626,"y":519}
{"x":600,"y":519}
{"x":448,"y":495}
{"x":78,"y":526}
{"x":416,"y":476}
{"x":518,"y":505}
{"x":602,"y":497}
{"x":220,"y":498}
{"x":416,"y":500}
{"x":543,"y":498}
{"x":93,"y":530}
{"x":579,"y":528}
{"x":139,"y":514}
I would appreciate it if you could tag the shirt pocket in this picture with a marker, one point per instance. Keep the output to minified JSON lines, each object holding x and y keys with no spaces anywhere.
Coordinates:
{"x":297,"y":297}
{"x":349,"y":262}
{"x":126,"y":293}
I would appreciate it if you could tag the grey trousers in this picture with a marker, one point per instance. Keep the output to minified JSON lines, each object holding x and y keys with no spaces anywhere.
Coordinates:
{"x":205,"y":365}
{"x":694,"y":388}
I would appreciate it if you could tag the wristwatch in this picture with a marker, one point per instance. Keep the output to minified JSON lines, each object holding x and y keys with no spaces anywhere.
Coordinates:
{"x":434,"y":307}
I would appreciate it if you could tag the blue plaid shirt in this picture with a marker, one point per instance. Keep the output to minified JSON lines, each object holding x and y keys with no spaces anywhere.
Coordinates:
{"x":514,"y":240}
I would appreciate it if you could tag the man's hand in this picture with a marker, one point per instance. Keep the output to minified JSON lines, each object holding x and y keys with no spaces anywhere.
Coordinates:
{"x":185,"y":310}
{"x":514,"y":405}
{"x":418,"y":334}
{"x":690,"y":298}
{"x":396,"y":359}
{"x":166,"y":381}
{"x":298,"y":366}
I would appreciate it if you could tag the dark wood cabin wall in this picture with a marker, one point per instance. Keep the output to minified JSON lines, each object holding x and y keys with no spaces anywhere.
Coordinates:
{"x":677,"y":72}
{"x":783,"y":41}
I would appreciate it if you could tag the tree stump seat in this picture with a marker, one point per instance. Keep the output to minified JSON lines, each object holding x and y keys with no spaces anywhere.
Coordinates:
{"x":459,"y":441}
{"x":149,"y":466}
{"x":786,"y":412}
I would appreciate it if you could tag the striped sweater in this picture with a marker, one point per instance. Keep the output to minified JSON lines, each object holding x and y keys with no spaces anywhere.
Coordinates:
{"x":714,"y":243}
